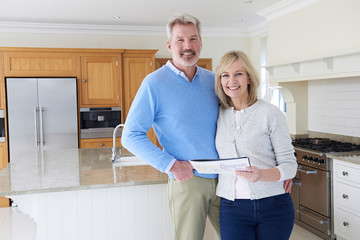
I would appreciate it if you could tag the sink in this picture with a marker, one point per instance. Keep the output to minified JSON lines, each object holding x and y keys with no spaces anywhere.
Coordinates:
{"x":129,"y":161}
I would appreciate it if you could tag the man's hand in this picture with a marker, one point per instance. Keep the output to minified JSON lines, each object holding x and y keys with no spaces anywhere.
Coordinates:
{"x":182,"y":170}
{"x":288,"y":185}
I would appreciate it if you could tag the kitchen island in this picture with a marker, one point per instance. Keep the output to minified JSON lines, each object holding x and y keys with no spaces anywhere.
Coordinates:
{"x":80,"y":194}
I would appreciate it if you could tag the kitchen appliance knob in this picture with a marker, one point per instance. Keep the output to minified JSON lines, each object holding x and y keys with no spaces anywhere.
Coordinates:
{"x":345,"y":196}
{"x":321,"y":161}
{"x":305,"y":157}
{"x":345,"y":224}
{"x":345,"y":173}
{"x":310,"y":159}
{"x":315,"y":160}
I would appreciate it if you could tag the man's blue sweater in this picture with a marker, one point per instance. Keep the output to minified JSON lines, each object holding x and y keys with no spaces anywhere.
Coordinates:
{"x":183,"y":115}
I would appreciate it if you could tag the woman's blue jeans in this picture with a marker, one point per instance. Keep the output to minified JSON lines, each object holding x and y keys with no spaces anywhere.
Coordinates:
{"x":263,"y":219}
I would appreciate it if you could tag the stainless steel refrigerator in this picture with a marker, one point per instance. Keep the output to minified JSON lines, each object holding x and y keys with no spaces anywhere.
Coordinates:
{"x":42,"y":115}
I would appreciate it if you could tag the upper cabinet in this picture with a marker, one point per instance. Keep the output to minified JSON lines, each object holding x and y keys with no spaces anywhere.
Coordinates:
{"x":136,"y":65}
{"x":2,"y":82}
{"x":100,"y":80}
{"x":35,"y":62}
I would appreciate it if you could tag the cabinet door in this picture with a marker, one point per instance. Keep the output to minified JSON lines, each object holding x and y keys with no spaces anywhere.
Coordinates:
{"x":4,"y":202}
{"x":100,"y":83}
{"x":39,"y":63}
{"x":135,"y":70}
{"x":2,"y":82}
{"x":3,"y":155}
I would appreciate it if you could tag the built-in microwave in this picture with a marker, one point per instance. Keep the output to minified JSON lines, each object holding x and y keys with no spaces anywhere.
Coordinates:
{"x":2,"y":126}
{"x":99,"y":122}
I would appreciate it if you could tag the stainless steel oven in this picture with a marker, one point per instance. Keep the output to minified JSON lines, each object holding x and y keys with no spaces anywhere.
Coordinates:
{"x":311,"y":193}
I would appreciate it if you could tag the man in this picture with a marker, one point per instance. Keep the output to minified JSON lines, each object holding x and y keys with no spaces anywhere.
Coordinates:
{"x":179,"y":101}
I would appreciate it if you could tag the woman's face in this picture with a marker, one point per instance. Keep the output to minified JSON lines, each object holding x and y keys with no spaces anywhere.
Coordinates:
{"x":234,"y":82}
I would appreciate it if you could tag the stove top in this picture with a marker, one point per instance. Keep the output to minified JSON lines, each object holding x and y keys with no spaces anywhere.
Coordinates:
{"x":325,"y":145}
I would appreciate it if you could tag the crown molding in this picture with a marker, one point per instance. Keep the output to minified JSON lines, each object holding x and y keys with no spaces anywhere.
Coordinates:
{"x":284,"y":7}
{"x":55,"y":28}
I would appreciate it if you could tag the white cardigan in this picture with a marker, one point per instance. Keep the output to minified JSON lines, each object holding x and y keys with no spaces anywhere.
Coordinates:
{"x":264,"y":138}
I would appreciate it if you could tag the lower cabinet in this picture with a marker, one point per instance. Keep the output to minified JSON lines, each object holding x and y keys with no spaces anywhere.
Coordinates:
{"x":98,"y":142}
{"x":4,"y":202}
{"x":346,"y":196}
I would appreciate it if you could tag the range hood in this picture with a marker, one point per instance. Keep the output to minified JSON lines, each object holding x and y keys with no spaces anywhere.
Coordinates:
{"x":341,"y":65}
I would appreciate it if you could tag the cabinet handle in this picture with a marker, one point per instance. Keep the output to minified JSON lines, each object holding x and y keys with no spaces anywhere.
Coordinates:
{"x":101,"y":144}
{"x":345,"y":224}
{"x":84,"y":80}
{"x":345,"y":196}
{"x":345,"y":173}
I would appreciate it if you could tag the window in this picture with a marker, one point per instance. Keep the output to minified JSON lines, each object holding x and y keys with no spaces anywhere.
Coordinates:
{"x":270,"y":94}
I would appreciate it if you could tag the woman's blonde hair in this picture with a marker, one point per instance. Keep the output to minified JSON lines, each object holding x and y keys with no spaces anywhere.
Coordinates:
{"x":223,"y":65}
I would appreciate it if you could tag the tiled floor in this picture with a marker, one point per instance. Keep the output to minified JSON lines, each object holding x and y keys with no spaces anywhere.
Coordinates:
{"x":15,"y":225}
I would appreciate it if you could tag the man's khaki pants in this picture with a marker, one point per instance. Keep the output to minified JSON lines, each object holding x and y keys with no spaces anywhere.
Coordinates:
{"x":190,"y":202}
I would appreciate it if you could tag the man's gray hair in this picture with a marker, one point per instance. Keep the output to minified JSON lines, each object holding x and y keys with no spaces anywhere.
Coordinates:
{"x":182,"y":19}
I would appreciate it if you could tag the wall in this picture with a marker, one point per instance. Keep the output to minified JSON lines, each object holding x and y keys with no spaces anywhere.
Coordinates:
{"x":213,"y":47}
{"x":325,"y":27}
{"x":334,"y":106}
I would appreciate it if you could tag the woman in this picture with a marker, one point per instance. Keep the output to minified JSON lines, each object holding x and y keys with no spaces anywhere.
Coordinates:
{"x":254,"y":204}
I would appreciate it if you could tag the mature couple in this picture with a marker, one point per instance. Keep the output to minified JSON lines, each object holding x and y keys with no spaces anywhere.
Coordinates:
{"x":181,"y":102}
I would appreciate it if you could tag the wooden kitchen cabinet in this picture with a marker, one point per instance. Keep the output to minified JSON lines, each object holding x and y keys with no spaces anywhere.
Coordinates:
{"x":2,"y":82}
{"x":136,"y":65}
{"x":100,"y":81}
{"x":39,"y":62}
{"x":346,"y":195}
{"x":4,"y":202}
{"x":98,"y":142}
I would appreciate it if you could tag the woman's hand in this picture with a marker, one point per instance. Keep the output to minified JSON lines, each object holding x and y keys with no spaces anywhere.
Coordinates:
{"x":253,"y":174}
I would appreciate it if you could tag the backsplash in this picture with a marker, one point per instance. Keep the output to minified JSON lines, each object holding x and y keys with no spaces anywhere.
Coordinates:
{"x":334,"y":106}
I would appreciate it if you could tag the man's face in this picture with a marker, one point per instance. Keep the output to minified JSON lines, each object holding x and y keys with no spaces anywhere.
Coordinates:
{"x":184,"y":45}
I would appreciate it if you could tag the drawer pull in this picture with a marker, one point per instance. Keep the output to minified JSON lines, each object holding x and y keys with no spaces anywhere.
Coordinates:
{"x":345,"y":173}
{"x":345,"y":196}
{"x":345,"y":224}
{"x":101,"y":144}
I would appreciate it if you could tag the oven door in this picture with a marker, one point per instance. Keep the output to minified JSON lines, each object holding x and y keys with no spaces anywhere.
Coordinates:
{"x":315,"y":189}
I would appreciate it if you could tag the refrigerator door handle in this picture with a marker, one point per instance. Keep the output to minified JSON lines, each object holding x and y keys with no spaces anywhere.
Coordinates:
{"x":36,"y":110}
{"x":41,"y":126}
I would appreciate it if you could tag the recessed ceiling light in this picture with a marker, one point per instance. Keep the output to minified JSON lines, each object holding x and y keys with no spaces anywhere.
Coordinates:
{"x":117,"y":17}
{"x":248,"y":2}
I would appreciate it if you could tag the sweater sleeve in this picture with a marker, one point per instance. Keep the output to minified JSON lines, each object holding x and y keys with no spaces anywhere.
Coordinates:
{"x":281,"y":141}
{"x":138,"y":122}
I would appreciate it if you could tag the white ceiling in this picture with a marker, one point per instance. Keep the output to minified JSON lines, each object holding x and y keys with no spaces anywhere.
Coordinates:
{"x":239,"y":14}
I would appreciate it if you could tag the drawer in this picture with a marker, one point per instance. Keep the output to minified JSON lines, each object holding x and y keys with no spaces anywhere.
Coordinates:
{"x":349,"y":173}
{"x":347,"y":196}
{"x":347,"y":225}
{"x":98,"y":142}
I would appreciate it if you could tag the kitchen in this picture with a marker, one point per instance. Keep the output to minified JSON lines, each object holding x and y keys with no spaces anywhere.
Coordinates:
{"x":326,"y":106}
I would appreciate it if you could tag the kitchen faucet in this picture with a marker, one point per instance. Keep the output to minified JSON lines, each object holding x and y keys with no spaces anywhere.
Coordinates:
{"x":115,"y":158}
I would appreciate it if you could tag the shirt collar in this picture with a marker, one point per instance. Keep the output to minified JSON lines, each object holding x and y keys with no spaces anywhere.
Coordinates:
{"x":181,"y":73}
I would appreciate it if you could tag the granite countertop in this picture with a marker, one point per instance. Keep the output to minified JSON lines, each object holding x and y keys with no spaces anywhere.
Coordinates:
{"x":72,"y":169}
{"x":351,"y":157}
